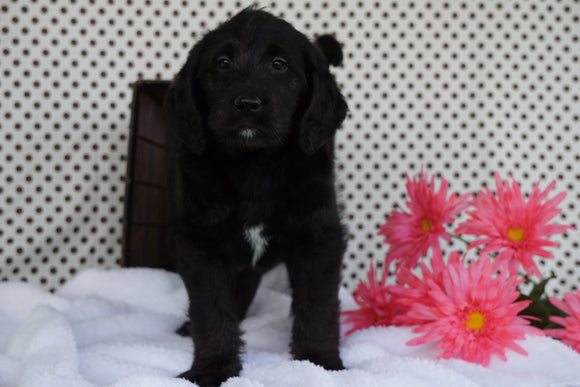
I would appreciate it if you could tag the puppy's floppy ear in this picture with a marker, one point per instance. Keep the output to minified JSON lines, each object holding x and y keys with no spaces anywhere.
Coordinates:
{"x":330,"y":48}
{"x":325,"y":106}
{"x":181,"y":104}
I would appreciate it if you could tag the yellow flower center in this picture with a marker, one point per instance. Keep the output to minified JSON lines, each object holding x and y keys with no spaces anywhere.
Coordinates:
{"x":516,"y":234}
{"x":426,"y":225}
{"x":476,"y":321}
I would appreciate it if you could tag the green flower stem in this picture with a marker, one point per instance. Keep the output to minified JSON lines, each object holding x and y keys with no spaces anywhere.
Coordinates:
{"x":460,"y":239}
{"x":528,"y":279}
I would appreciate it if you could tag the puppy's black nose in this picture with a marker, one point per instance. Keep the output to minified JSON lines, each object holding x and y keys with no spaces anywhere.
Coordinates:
{"x":248,"y":104}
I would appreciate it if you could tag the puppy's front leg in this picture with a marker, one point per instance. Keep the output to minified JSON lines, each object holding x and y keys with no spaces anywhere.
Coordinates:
{"x":210,"y":284}
{"x":314,"y":269}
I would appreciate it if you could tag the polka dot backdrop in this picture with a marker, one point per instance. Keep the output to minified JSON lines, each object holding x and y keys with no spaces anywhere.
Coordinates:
{"x":463,"y":88}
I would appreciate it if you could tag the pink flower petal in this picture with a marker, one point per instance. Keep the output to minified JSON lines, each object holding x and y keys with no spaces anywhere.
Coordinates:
{"x":516,"y":228}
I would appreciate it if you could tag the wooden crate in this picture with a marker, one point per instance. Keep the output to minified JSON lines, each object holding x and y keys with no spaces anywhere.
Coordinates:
{"x":147,"y":210}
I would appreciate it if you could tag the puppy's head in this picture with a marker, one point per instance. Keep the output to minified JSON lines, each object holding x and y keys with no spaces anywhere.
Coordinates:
{"x":257,"y":83}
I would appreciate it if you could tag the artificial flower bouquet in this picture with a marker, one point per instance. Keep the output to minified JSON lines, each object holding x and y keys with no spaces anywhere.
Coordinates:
{"x":469,"y":303}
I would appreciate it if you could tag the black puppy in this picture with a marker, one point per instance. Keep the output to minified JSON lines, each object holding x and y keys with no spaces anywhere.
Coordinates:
{"x":255,"y":109}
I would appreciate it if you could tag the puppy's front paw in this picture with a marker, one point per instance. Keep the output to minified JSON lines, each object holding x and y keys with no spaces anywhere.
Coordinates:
{"x":203,"y":380}
{"x":214,"y":372}
{"x":327,"y":359}
{"x":332,"y":364}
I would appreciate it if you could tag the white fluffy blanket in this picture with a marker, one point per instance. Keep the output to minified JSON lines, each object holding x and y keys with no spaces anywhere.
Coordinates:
{"x":115,"y":328}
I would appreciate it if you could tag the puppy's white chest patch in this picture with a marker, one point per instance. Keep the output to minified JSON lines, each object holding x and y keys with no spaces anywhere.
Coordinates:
{"x":255,"y":238}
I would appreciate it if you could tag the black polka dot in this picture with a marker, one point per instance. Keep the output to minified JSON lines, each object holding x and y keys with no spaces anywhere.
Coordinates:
{"x":459,"y":88}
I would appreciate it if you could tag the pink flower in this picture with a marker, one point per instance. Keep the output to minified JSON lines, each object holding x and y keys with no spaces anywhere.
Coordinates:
{"x":570,"y":335}
{"x":376,"y":305}
{"x":412,"y":289}
{"x":470,"y":314}
{"x":410,"y":234}
{"x":514,"y":227}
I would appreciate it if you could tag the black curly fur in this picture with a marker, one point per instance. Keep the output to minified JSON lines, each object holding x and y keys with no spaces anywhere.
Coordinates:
{"x":253,"y":111}
{"x":331,"y":49}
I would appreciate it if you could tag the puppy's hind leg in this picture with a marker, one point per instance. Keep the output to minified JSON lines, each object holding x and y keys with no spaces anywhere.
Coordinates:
{"x":184,"y":330}
{"x":247,"y":282}
{"x":246,"y":286}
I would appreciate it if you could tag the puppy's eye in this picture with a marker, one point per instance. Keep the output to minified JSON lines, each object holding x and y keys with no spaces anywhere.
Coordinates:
{"x":223,"y":63}
{"x":278,"y":64}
